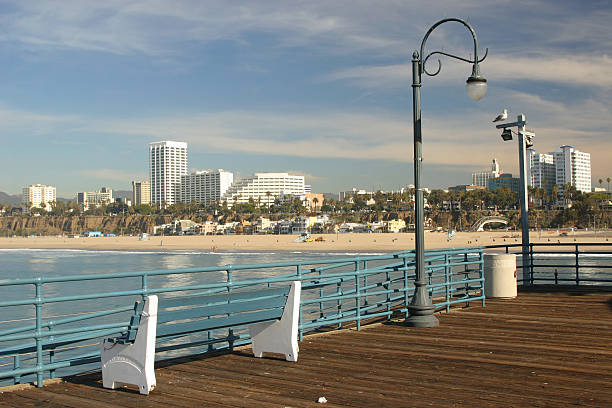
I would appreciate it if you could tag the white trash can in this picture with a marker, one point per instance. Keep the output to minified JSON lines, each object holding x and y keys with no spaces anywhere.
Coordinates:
{"x":500,"y":275}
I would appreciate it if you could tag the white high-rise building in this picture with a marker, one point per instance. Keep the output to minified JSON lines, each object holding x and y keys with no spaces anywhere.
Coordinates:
{"x":573,"y":167}
{"x":480,"y":178}
{"x":38,"y":195}
{"x":264,"y":188}
{"x":541,"y":167}
{"x":205,"y":186}
{"x":167,"y":163}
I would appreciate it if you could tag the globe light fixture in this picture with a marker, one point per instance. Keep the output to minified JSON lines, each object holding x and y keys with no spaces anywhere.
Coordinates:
{"x":476,"y":84}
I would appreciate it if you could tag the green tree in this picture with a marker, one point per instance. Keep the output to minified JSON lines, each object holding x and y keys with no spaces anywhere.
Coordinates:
{"x":143,"y":209}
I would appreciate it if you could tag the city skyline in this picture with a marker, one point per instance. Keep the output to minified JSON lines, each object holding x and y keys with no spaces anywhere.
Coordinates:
{"x":321,"y":90}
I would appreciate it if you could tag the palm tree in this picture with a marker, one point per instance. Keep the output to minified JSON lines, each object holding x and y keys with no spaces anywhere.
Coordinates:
{"x":315,"y":201}
{"x":600,"y":181}
{"x":555,"y":194}
{"x":608,"y":180}
{"x":268,"y":194}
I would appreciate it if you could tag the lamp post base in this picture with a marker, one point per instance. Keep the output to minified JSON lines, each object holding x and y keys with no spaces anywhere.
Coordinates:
{"x":421,"y":310}
{"x":422,"y":318}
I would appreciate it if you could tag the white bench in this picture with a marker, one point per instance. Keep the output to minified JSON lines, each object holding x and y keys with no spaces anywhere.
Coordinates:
{"x":271,"y":314}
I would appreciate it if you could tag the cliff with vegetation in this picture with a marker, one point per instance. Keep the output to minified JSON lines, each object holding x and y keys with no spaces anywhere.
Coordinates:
{"x":56,"y":225}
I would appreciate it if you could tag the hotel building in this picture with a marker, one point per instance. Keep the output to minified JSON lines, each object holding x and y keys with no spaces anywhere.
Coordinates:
{"x":541,"y":167}
{"x":573,"y":167}
{"x":264,"y":188}
{"x":167,"y":163}
{"x":93,"y":199}
{"x":480,"y":178}
{"x":141,"y":192}
{"x":38,"y":195}
{"x":205,"y":186}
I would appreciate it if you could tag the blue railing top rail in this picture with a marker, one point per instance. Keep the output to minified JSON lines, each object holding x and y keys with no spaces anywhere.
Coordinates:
{"x":552,"y":244}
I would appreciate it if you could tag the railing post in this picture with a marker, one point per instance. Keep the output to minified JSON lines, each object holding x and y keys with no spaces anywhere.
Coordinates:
{"x":387,"y":287}
{"x":320,"y":295}
{"x":339,"y":301}
{"x":230,"y":331}
{"x":531,"y":263}
{"x":17,"y":366}
{"x":406,"y":300}
{"x":466,"y":274}
{"x":51,"y":352}
{"x":39,"y":334}
{"x":300,"y":330}
{"x":447,"y":280}
{"x":365,"y":282}
{"x":429,"y":281}
{"x":145,"y":285}
{"x":481,"y":275}
{"x":358,"y":295}
{"x":577,"y":266}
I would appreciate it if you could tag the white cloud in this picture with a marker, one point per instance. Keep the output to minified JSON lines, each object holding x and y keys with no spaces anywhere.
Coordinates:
{"x":573,"y":71}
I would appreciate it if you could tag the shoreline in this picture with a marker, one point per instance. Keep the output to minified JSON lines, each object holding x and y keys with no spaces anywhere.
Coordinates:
{"x":388,"y":242}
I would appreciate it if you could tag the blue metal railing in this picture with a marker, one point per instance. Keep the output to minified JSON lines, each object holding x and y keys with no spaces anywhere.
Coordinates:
{"x":564,"y":263}
{"x":57,"y":323}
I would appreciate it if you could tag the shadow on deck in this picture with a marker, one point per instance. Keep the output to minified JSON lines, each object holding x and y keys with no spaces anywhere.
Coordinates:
{"x":548,"y":347}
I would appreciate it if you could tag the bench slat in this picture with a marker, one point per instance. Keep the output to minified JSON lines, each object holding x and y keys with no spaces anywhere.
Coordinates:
{"x":130,"y":336}
{"x":165,"y":316}
{"x":179,"y":329}
{"x":201,"y":300}
{"x":58,"y":341}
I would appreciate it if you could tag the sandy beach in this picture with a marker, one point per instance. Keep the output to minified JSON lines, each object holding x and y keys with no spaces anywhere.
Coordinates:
{"x":332,"y":242}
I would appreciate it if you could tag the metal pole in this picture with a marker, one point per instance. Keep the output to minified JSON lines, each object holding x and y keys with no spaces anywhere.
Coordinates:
{"x":524,"y":200}
{"x":420,"y":308}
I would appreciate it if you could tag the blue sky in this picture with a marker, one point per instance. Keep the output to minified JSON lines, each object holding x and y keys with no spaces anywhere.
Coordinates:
{"x":319,"y":88}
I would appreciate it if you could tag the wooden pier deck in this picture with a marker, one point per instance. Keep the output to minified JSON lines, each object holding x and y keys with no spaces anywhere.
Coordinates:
{"x":545,"y":348}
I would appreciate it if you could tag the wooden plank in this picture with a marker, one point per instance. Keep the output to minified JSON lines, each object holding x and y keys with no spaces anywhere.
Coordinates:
{"x":541,"y":349}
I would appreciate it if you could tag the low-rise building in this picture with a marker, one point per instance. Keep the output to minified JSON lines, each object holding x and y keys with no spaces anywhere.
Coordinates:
{"x":314,"y":201}
{"x":264,"y":188}
{"x":465,"y":187}
{"x":395,"y":225}
{"x":505,"y":180}
{"x":94,"y":199}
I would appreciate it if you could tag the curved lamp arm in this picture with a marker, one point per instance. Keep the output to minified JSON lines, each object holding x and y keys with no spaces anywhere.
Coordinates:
{"x":475,"y":61}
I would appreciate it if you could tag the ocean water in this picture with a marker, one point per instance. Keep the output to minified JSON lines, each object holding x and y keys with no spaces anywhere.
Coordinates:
{"x":28,"y":263}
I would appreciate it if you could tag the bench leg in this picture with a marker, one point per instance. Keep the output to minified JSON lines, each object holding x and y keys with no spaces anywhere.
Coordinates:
{"x":133,"y":363}
{"x":280,"y":336}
